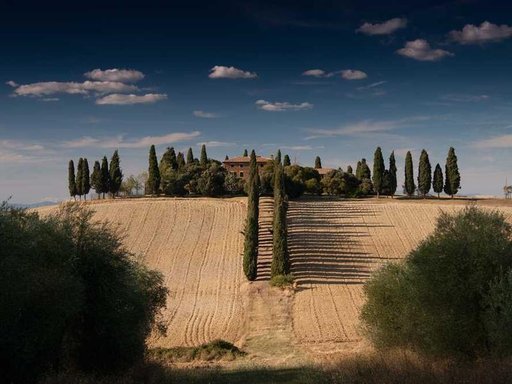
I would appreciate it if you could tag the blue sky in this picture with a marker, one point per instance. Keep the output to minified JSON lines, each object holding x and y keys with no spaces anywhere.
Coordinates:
{"x":334,"y":79}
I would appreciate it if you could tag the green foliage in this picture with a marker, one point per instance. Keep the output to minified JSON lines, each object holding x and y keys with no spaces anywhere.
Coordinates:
{"x":349,"y":170}
{"x":280,"y":260}
{"x":424,"y":174}
{"x":131,"y":184}
{"x":451,"y":296}
{"x":204,"y":157}
{"x":96,"y":178}
{"x":190,"y":156}
{"x":333,"y":183}
{"x":359,"y":170}
{"x":105,"y":176}
{"x":267,"y":179}
{"x":245,"y":154}
{"x":79,"y":177}
{"x":212,"y":351}
{"x":180,"y":161}
{"x":211,"y":181}
{"x":318,"y":162}
{"x":86,"y":184}
{"x":313,"y":186}
{"x":250,"y":258}
{"x":392,"y":182}
{"x":282,"y":281}
{"x":116,"y":176}
{"x":71,"y":179}
{"x":286,"y":161}
{"x":437,"y":183}
{"x":452,"y":183}
{"x":409,"y":186}
{"x":278,"y":157}
{"x":70,"y":296}
{"x":153,"y":183}
{"x":233,"y":185}
{"x":378,"y":171}
{"x":364,"y":171}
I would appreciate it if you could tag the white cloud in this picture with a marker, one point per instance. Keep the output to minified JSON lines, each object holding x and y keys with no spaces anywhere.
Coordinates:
{"x":121,"y":142}
{"x":205,"y":115}
{"x":421,"y":50}
{"x":121,"y":75}
{"x":13,"y":151}
{"x":485,"y":33}
{"x":300,"y":147}
{"x":372,"y":85}
{"x":120,"y":99}
{"x":222,"y":72}
{"x":465,"y":98}
{"x":216,"y":144}
{"x":315,"y":73}
{"x":503,"y":141}
{"x":353,"y":74}
{"x":384,"y":28}
{"x":12,"y":83}
{"x":282,"y":106}
{"x":73,"y":88}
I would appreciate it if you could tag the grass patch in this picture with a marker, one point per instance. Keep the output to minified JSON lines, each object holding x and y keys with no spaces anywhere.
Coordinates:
{"x":213,"y":351}
{"x":282,"y":281}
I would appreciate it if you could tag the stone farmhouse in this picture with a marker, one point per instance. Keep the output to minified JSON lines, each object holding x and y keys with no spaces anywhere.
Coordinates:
{"x":240,"y":165}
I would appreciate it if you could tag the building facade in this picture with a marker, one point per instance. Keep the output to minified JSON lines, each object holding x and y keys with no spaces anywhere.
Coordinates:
{"x":239,"y":166}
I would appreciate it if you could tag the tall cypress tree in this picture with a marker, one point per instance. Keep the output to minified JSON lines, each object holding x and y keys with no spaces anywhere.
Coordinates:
{"x":86,"y":181}
{"x":116,"y":176}
{"x":190,"y":156}
{"x":153,"y":172}
{"x":79,"y":178}
{"x":378,"y":171}
{"x":245,"y":154}
{"x":365,"y":170}
{"x":437,"y":184}
{"x":204,"y":157}
{"x":105,"y":176}
{"x":424,"y":174}
{"x":96,"y":178}
{"x":278,"y":157}
{"x":359,"y":171}
{"x":250,"y":260}
{"x":392,"y":174}
{"x":280,"y":260}
{"x":168,"y":163}
{"x":180,"y":161}
{"x":350,"y":171}
{"x":452,"y":175}
{"x":286,"y":161}
{"x":409,"y":175}
{"x":71,"y":179}
{"x":318,"y":163}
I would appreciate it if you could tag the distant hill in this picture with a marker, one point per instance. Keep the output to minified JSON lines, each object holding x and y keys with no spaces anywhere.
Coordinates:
{"x":34,"y":205}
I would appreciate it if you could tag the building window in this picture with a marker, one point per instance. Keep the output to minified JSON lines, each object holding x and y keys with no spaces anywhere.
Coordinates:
{"x":241,"y":174}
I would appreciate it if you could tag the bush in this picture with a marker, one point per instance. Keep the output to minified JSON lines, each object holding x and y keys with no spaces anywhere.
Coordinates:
{"x":70,"y":295}
{"x":282,"y":281}
{"x":451,"y":296}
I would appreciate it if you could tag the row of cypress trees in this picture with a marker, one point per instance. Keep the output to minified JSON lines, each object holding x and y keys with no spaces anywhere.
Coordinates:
{"x":384,"y":180}
{"x":450,"y":185}
{"x":103,"y":179}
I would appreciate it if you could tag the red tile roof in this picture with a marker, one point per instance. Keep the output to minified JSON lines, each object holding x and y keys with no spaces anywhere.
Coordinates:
{"x":247,"y":159}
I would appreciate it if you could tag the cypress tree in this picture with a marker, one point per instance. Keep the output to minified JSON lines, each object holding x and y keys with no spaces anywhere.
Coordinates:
{"x":86,"y":181}
{"x":278,"y":157}
{"x":116,"y":176}
{"x":250,"y":260}
{"x":153,"y":172}
{"x":105,"y":176}
{"x":79,"y":178}
{"x":409,"y":175}
{"x":452,"y":175}
{"x":280,"y":260}
{"x":365,"y":170}
{"x":96,"y":178}
{"x":190,"y":156}
{"x":226,"y":158}
{"x":350,"y":171}
{"x":71,"y":179}
{"x":245,"y":153}
{"x":168,"y":161}
{"x":378,"y":171}
{"x":318,"y":163}
{"x":180,"y":161}
{"x":437,"y":184}
{"x":424,"y":174}
{"x":392,"y":174}
{"x":286,"y":161}
{"x":204,"y":157}
{"x":359,"y":170}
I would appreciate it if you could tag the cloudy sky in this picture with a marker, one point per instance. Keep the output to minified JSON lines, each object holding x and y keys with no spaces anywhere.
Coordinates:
{"x":328,"y":78}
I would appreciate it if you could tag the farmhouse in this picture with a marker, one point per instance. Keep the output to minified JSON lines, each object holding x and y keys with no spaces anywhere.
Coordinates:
{"x":324,"y":171}
{"x":239,"y":166}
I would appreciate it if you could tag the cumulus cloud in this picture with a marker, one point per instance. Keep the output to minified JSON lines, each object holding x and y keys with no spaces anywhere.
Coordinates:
{"x":222,"y":72}
{"x":73,"y":88}
{"x":121,"y":75}
{"x":121,"y":142}
{"x":385,"y":28}
{"x":122,"y":99}
{"x":315,"y":73}
{"x":421,"y":50}
{"x":282,"y":106}
{"x":485,"y":33}
{"x":205,"y":115}
{"x":353,"y":74}
{"x":14,"y":151}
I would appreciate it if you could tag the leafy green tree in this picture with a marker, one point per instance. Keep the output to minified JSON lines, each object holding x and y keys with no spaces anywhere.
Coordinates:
{"x":424,"y":174}
{"x":153,"y":173}
{"x":86,"y":181}
{"x":378,"y":171}
{"x":96,"y":178}
{"x":190,"y":156}
{"x":105,"y":176}
{"x":437,"y":184}
{"x":71,"y":179}
{"x":180,"y":161}
{"x":116,"y":176}
{"x":204,"y":157}
{"x":359,"y":170}
{"x":365,"y":170}
{"x":410,"y":187}
{"x":393,"y":181}
{"x":318,"y":162}
{"x":168,"y":166}
{"x":79,"y":178}
{"x":233,"y":185}
{"x":280,"y":260}
{"x":250,"y":260}
{"x":333,"y":183}
{"x":245,"y":154}
{"x":452,"y":175}
{"x":267,"y":179}
{"x":286,"y":161}
{"x":211,"y":181}
{"x":129,"y":185}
